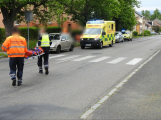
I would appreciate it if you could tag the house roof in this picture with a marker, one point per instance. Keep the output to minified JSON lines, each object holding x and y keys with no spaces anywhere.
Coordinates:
{"x":139,"y":14}
{"x":156,"y":24}
{"x":157,"y":21}
{"x":147,"y":24}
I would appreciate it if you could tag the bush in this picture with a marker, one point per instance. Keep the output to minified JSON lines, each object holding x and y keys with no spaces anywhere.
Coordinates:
{"x":139,"y":34}
{"x":54,"y":29}
{"x":135,"y":33}
{"x":33,"y":32}
{"x":147,"y":32}
{"x":2,"y":34}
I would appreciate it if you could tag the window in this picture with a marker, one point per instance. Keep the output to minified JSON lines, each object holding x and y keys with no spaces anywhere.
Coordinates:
{"x":16,"y":23}
{"x":112,"y":27}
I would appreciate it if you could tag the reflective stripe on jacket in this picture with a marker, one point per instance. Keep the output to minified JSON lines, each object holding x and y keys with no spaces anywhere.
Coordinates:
{"x":45,"y":42}
{"x":15,"y":46}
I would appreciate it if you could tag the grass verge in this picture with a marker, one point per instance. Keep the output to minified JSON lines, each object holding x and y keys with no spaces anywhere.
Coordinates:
{"x":3,"y":55}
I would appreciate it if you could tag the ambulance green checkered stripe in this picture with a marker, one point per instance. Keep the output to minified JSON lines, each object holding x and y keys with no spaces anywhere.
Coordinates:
{"x":110,"y":37}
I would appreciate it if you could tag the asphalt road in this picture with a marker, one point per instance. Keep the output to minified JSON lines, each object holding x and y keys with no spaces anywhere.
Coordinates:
{"x":139,"y":98}
{"x":77,"y":80}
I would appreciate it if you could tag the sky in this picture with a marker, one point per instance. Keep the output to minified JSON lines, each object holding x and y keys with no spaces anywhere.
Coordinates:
{"x":149,"y":5}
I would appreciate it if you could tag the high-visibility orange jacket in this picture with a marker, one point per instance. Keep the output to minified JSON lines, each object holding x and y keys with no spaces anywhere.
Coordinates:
{"x":15,"y":46}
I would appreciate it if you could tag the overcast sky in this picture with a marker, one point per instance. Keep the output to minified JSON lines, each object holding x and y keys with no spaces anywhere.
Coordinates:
{"x":149,"y":5}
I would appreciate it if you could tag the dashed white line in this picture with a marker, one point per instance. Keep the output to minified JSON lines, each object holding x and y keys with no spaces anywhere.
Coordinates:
{"x":83,"y":58}
{"x":100,"y":59}
{"x":56,"y":56}
{"x":134,"y":61}
{"x":117,"y":60}
{"x":69,"y":58}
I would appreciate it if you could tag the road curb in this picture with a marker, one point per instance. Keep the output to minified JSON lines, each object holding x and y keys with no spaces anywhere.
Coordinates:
{"x":115,"y":89}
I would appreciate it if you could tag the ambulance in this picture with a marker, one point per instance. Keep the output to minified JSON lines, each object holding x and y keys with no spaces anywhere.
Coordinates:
{"x":98,"y":34}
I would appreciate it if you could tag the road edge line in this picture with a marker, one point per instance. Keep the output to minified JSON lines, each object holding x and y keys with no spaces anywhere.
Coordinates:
{"x":116,"y":88}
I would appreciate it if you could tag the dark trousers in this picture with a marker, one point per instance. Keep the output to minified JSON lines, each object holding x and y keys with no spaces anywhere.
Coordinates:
{"x":16,"y":63}
{"x":46,"y":58}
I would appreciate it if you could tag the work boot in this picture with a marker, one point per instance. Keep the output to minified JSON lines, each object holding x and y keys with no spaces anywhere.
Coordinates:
{"x":46,"y":71}
{"x":41,"y":71}
{"x":19,"y":82}
{"x":14,"y":83}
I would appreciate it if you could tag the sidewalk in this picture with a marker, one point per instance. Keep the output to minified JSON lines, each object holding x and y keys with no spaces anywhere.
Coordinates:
{"x":139,"y":98}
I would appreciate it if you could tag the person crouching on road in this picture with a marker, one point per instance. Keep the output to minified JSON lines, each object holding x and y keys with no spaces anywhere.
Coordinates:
{"x":16,"y":48}
{"x":44,"y":42}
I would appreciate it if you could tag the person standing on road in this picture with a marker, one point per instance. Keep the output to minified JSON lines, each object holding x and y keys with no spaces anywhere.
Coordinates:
{"x":44,"y":42}
{"x":16,"y":48}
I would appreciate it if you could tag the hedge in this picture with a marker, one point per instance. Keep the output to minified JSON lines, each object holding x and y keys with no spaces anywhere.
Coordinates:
{"x":33,"y":31}
{"x":147,"y":32}
{"x":135,"y":33}
{"x":2,"y":35}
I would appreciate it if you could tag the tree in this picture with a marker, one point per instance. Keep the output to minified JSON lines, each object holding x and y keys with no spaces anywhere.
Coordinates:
{"x":12,"y":9}
{"x":126,"y":18}
{"x":85,"y":10}
{"x":146,"y":13}
{"x":156,"y":14}
{"x":156,"y":29}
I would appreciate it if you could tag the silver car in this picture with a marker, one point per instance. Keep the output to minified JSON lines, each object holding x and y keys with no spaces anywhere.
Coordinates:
{"x":61,"y":42}
{"x":119,"y":37}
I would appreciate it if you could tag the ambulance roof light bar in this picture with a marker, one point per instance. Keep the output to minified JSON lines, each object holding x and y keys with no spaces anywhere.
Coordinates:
{"x":96,"y":22}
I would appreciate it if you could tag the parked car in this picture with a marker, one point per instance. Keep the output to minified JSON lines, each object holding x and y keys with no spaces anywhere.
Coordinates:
{"x":127,"y":35}
{"x":119,"y":37}
{"x":61,"y":42}
{"x":153,"y":33}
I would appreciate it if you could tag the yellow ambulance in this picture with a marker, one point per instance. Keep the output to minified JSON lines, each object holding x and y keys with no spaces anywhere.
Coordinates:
{"x":98,"y":34}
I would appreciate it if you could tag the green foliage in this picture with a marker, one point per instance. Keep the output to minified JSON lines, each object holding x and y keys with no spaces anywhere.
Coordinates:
{"x":2,"y":35}
{"x":146,"y":13}
{"x":33,"y":32}
{"x":156,"y":14}
{"x":84,"y":10}
{"x":53,"y":29}
{"x":160,"y":30}
{"x":126,"y":17}
{"x":156,"y":29}
{"x":135,"y":33}
{"x":139,"y":34}
{"x":147,"y":32}
{"x":76,"y":32}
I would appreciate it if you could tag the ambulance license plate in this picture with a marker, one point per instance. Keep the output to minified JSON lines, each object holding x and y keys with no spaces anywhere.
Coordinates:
{"x":88,"y":44}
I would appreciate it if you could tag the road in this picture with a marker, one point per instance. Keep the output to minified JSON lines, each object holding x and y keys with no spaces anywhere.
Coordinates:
{"x":77,"y":80}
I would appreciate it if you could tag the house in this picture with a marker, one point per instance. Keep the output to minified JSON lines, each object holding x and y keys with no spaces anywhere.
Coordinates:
{"x":148,"y":25}
{"x":141,"y":23}
{"x":157,"y":22}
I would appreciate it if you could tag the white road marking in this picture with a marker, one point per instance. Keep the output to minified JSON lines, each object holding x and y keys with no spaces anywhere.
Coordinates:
{"x":69,"y":58}
{"x":108,"y":49}
{"x":100,"y":59}
{"x":134,"y":61}
{"x":56,"y":56}
{"x":83,"y":58}
{"x":117,"y":60}
{"x":115,"y":89}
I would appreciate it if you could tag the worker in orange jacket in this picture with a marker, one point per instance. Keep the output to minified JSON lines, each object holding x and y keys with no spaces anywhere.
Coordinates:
{"x":16,"y":48}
